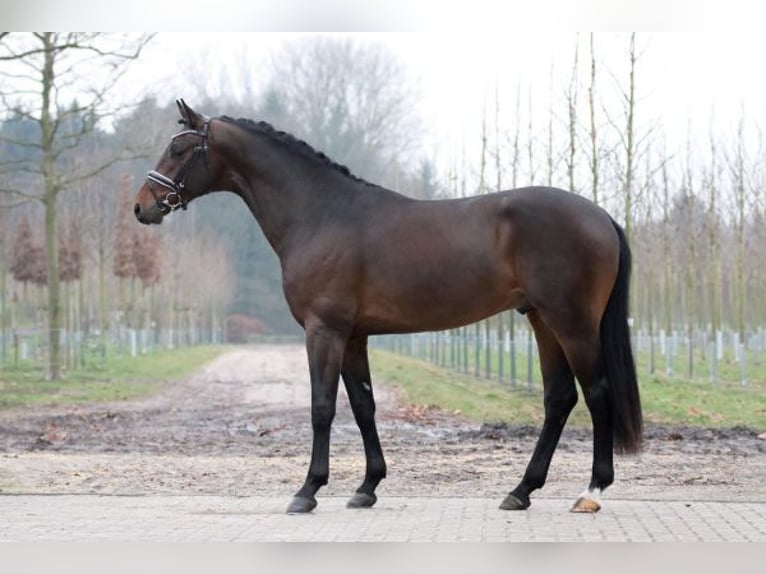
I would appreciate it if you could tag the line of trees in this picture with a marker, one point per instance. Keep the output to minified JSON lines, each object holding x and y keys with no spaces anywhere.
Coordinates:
{"x":39,"y":69}
{"x":102,"y":272}
{"x":694,"y":215}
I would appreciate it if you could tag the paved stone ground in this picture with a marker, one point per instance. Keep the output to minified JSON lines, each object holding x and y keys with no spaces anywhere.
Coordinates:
{"x":262,"y":519}
{"x":178,"y":467}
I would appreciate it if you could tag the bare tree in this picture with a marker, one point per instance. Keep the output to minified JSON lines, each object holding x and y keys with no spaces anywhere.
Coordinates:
{"x":45,"y":70}
{"x":498,"y":187}
{"x":666,"y":283}
{"x":737,"y":163}
{"x":350,"y":100}
{"x":632,"y":142}
{"x":515,"y":166}
{"x":648,"y":249}
{"x":530,"y":142}
{"x":3,"y":290}
{"x":515,"y":149}
{"x":593,"y":130}
{"x":572,"y":115}
{"x":690,"y":232}
{"x":714,"y":234}
{"x":550,"y":161}
{"x":629,"y":138}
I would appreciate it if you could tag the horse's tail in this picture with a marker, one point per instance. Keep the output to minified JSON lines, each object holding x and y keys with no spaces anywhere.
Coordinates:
{"x":620,"y":368}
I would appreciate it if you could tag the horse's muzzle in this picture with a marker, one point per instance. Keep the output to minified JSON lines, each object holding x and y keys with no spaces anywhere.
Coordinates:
{"x":148,"y":217}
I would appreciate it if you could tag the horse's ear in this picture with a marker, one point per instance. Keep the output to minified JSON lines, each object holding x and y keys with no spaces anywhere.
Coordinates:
{"x":191,"y":119}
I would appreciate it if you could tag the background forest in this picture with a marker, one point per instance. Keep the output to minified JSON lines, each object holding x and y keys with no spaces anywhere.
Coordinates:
{"x":77,"y":271}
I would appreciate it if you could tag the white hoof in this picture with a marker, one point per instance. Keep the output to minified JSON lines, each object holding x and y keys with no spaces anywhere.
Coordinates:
{"x":588,"y":502}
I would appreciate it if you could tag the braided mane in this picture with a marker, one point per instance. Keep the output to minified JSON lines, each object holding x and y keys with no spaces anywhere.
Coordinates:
{"x":293,"y":143}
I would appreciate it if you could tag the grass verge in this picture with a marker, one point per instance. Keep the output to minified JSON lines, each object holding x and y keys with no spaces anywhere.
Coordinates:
{"x":116,"y":378}
{"x":665,"y":401}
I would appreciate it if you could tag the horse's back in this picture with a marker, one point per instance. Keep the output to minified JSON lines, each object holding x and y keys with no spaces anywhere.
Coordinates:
{"x":397,"y":264}
{"x":439,"y":264}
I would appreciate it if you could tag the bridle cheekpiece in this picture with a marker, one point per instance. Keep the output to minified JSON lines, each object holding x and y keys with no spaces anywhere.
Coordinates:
{"x":174,"y":199}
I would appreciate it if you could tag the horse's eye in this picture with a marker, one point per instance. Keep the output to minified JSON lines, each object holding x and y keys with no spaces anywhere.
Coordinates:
{"x":175,"y":149}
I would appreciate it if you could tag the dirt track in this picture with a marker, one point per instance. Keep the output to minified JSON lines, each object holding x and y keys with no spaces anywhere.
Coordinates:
{"x":241,"y":426}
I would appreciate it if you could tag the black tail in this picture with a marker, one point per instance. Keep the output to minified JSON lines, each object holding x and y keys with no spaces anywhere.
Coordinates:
{"x":618,"y":359}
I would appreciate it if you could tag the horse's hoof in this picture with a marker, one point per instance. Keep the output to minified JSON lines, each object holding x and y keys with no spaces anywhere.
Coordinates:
{"x":301,"y":505}
{"x":362,"y":500}
{"x":511,"y":502}
{"x":586,"y":505}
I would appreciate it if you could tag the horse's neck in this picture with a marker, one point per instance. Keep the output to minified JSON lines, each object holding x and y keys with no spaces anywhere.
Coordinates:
{"x":285,"y":192}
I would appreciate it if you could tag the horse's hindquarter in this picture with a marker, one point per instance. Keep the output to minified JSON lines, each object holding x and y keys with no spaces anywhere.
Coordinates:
{"x":565,"y":248}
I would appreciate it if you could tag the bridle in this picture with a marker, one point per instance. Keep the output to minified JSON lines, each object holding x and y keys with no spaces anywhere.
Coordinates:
{"x":174,"y":199}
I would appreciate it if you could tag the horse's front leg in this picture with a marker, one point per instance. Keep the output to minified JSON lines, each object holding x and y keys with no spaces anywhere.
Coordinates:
{"x":325,"y":353}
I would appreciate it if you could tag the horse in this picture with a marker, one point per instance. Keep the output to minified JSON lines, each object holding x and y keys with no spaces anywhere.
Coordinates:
{"x":360,"y":260}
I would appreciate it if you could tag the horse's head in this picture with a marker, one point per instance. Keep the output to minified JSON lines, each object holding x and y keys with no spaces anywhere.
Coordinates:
{"x":183,"y":172}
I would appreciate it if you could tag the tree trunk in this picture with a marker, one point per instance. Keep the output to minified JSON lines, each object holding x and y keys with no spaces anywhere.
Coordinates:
{"x":740,"y":215}
{"x":629,"y":140}
{"x":81,"y":322}
{"x":667,"y":277}
{"x":499,"y":186}
{"x":572,"y":105}
{"x":650,"y":322}
{"x":49,"y":201}
{"x":530,"y":140}
{"x":549,"y":161}
{"x":103,"y":312}
{"x":54,"y":291}
{"x":714,"y":267}
{"x":4,"y":304}
{"x":594,"y":159}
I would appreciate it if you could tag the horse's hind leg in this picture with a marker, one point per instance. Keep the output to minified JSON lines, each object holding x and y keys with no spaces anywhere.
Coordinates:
{"x":560,"y":397}
{"x":356,"y":377}
{"x":584,"y":354}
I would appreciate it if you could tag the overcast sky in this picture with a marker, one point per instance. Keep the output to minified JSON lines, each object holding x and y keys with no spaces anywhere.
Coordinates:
{"x":682,"y":77}
{"x":709,"y":58}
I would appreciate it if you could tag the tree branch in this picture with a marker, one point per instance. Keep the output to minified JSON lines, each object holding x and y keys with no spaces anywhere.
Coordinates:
{"x":76,"y":177}
{"x":23,"y":194}
{"x":7,"y":166}
{"x":20,"y":143}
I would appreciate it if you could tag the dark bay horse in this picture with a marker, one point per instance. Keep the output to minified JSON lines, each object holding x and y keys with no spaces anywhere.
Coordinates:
{"x":359,"y":260}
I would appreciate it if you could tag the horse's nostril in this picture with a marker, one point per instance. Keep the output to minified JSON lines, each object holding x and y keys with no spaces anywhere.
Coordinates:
{"x":137,"y":212}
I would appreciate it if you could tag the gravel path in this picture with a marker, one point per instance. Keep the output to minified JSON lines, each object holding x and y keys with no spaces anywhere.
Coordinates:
{"x":240,"y":426}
